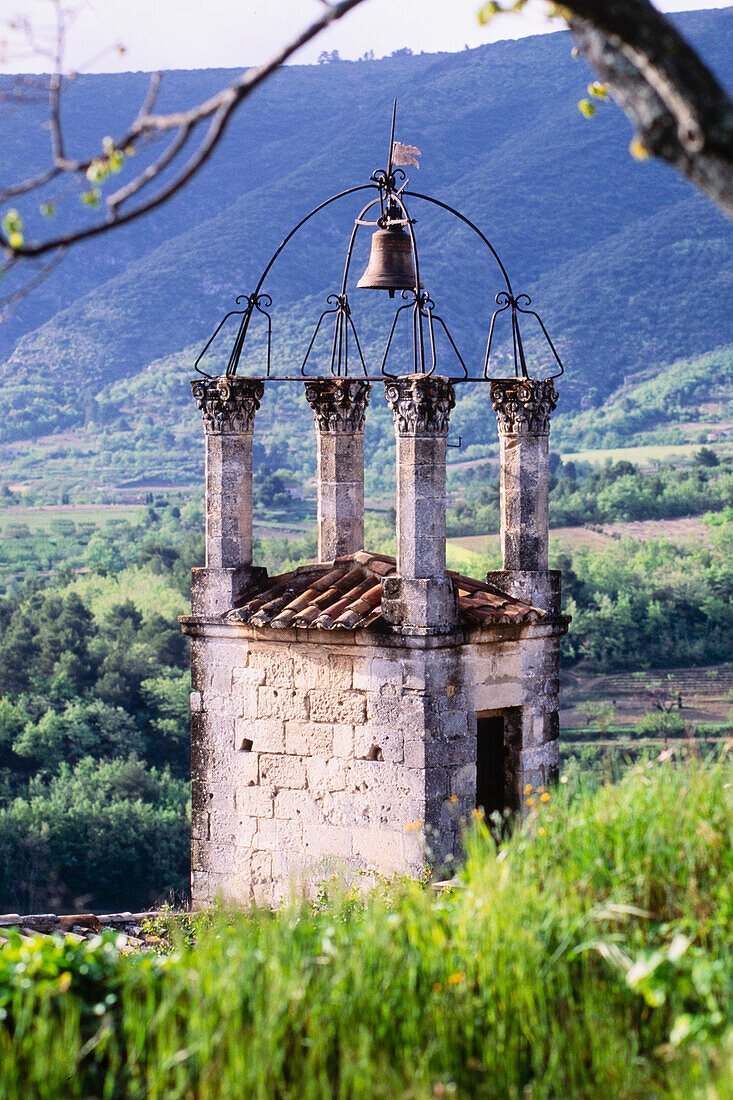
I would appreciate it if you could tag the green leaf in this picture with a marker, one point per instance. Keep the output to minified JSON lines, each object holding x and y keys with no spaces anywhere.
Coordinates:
{"x":586,"y":108}
{"x":116,"y":160}
{"x":92,"y":197}
{"x":487,"y":12}
{"x":98,"y":171}
{"x":680,"y":1030}
{"x":12,"y":222}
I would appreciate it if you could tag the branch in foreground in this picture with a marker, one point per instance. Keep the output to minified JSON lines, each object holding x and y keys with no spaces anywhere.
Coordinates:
{"x":218,"y":109}
{"x":681,"y":112}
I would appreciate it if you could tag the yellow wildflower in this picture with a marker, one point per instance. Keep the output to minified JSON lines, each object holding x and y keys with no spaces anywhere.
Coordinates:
{"x":544,"y":797}
{"x":531,"y":802}
{"x":456,"y":979}
{"x":528,"y":789}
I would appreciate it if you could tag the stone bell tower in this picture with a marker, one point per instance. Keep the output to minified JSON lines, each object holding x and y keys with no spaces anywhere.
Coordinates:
{"x":351,"y":714}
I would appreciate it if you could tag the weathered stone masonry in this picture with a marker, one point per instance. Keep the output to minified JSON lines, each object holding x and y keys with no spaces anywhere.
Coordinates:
{"x":340,"y":714}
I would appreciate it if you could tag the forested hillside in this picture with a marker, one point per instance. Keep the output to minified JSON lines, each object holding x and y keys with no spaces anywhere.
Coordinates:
{"x":630,"y":269}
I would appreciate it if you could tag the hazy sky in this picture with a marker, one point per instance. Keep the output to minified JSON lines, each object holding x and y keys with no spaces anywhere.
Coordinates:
{"x":167,"y":34}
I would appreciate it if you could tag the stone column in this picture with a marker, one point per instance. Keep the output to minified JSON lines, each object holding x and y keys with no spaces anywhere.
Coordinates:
{"x":523,"y":407}
{"x":228,"y":406}
{"x":421,"y":596}
{"x":339,"y":409}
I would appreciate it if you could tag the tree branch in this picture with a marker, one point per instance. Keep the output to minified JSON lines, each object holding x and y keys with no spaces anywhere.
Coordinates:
{"x":218,"y":109}
{"x":681,"y":112}
{"x":10,"y":301}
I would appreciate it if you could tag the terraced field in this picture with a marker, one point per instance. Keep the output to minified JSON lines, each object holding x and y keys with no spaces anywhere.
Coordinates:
{"x":705,"y":695}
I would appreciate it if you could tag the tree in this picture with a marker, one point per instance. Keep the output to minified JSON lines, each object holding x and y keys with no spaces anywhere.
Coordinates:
{"x":681,"y":112}
{"x":201,"y":126}
{"x":657,"y":723}
{"x":601,"y":715}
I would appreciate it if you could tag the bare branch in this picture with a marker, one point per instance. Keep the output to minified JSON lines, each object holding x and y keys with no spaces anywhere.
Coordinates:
{"x":124,"y":193}
{"x":149,"y":102}
{"x":218,"y":109}
{"x":10,"y":302}
{"x":29,"y":185}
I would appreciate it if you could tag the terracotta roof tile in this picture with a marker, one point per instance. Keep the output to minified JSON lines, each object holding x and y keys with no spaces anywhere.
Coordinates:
{"x":346,"y":594}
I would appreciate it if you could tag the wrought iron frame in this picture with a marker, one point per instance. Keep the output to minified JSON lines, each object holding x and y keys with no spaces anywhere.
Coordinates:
{"x":390,"y":196}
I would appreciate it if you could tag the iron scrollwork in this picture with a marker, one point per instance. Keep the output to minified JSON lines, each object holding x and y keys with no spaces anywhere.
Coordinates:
{"x":389,"y":188}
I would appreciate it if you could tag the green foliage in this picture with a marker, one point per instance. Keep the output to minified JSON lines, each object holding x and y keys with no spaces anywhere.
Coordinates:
{"x":661,"y":723}
{"x":601,"y":714}
{"x":80,"y":729}
{"x":112,"y":834}
{"x":621,"y":491}
{"x":664,"y":407}
{"x":650,"y":605}
{"x":587,"y":957}
{"x":94,"y":743}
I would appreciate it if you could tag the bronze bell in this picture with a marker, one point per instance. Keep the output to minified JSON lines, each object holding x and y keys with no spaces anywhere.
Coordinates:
{"x":390,"y":264}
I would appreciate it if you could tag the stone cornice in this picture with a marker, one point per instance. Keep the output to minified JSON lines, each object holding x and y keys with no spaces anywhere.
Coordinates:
{"x":523,"y":405}
{"x":339,"y":404}
{"x":420,"y":404}
{"x":228,"y":404}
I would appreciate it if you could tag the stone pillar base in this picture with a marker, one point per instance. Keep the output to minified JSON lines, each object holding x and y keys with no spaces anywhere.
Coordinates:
{"x":540,"y":587}
{"x":213,"y":591}
{"x":428,"y":606}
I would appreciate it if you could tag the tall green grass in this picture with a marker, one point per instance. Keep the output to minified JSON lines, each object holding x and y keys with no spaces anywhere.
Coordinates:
{"x":588,"y":958}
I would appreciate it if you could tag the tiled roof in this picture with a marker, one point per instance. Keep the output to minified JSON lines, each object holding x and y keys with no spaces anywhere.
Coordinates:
{"x":346,"y":594}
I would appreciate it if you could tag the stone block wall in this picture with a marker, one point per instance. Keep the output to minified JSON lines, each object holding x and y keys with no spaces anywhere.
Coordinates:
{"x":521,"y":677}
{"x":355,"y":753}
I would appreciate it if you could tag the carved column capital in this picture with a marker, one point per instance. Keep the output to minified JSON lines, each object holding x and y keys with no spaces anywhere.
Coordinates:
{"x":339,"y":404}
{"x":420,"y":404}
{"x":523,"y":405}
{"x":228,"y":405}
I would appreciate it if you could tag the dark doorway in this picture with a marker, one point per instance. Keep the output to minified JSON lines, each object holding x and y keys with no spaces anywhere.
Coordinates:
{"x":490,"y":764}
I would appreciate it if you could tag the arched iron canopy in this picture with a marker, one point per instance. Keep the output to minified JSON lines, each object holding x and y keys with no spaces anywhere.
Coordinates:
{"x":391,"y":185}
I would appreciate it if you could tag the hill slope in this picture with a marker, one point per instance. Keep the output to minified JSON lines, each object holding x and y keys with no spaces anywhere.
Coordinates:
{"x":629,"y":268}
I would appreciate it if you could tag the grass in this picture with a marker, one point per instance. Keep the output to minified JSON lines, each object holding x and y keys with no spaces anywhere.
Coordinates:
{"x":652,"y":452}
{"x":41,"y":518}
{"x":587,"y":958}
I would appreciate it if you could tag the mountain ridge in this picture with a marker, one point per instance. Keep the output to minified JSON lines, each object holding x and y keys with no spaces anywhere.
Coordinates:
{"x":629,"y":268}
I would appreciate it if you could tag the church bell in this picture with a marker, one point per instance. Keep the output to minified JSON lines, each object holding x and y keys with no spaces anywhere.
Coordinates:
{"x":391,"y":265}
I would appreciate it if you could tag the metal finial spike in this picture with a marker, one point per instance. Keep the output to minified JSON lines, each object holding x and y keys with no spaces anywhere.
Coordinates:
{"x":391,"y":138}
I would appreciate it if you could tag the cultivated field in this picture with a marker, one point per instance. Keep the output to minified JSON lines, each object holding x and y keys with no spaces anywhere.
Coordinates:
{"x":705,"y":695}
{"x":600,"y":537}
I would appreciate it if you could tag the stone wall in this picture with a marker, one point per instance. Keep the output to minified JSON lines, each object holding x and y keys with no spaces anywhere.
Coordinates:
{"x":355,"y":751}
